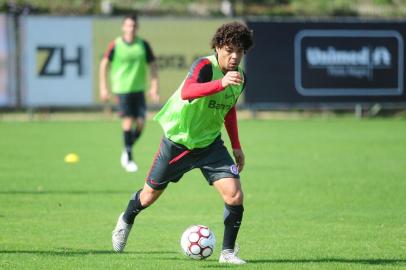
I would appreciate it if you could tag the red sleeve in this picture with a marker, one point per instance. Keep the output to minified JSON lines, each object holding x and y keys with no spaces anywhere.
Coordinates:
{"x":110,"y":51}
{"x":230,"y":121}
{"x":198,"y":83}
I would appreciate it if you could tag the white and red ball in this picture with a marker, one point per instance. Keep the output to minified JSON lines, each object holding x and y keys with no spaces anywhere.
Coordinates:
{"x":198,"y":242}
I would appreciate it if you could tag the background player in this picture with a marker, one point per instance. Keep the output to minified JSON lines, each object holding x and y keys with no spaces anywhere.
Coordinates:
{"x":126,"y":60}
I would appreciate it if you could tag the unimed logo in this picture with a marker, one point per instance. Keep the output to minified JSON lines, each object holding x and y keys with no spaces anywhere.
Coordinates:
{"x":331,"y":58}
{"x":348,"y":62}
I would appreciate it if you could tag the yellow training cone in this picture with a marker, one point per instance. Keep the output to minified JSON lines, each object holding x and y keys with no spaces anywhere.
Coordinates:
{"x":71,"y":158}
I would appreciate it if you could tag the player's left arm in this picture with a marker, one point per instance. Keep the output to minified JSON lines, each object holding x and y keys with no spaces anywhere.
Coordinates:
{"x":230,"y":122}
{"x":153,"y":73}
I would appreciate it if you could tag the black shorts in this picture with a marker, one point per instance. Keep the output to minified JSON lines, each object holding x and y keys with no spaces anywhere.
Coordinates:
{"x":132,"y":104}
{"x":173,"y":160}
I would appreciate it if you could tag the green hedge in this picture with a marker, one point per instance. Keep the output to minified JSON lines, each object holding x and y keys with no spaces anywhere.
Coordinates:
{"x":314,"y":8}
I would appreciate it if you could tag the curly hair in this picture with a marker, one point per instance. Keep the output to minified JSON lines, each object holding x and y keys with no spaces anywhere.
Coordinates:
{"x":234,"y":34}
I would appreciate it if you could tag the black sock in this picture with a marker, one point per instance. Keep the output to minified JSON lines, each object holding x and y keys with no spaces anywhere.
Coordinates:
{"x":232,"y":222}
{"x":134,"y":208}
{"x":128,"y":143}
{"x":135,"y":135}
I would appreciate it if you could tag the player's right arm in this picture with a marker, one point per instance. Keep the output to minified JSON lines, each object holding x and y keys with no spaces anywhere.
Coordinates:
{"x":231,"y":78}
{"x":104,"y":90}
{"x":103,"y":73}
{"x":199,"y":80}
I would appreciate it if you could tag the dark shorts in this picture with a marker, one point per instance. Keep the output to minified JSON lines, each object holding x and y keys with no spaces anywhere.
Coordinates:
{"x":132,"y":104}
{"x":173,"y":160}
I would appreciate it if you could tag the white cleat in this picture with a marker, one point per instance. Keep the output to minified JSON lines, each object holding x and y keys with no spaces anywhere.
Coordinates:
{"x":128,"y":165}
{"x":124,"y":159}
{"x":230,"y":256}
{"x":131,"y":166}
{"x":120,"y":234}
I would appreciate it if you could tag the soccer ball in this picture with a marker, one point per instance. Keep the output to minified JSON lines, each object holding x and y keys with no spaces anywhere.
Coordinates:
{"x":198,"y":242}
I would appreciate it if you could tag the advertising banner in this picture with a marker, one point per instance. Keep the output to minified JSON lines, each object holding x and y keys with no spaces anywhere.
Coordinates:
{"x":308,"y":63}
{"x":7,"y":77}
{"x":57,"y":61}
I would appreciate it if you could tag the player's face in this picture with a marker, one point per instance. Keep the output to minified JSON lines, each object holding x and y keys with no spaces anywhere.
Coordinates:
{"x":229,"y":57}
{"x":129,"y":27}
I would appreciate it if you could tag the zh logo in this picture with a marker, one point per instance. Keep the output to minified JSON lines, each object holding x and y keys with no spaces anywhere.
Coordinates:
{"x":56,"y":56}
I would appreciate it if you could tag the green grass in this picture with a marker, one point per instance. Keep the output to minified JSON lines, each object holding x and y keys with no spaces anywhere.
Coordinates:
{"x":319,"y":194}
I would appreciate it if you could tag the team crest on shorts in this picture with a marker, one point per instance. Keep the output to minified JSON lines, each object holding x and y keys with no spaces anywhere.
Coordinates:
{"x":153,"y":182}
{"x":234,"y":169}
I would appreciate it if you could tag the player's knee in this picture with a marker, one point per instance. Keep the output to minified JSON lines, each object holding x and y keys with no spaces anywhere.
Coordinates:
{"x":234,"y":198}
{"x":127,"y":123}
{"x":148,"y":197}
{"x":140,"y":122}
{"x":147,"y":200}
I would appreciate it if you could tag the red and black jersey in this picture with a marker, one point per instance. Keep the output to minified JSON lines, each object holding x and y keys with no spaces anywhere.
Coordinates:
{"x":199,"y":84}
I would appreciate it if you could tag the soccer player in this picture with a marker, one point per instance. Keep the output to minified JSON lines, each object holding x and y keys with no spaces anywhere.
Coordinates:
{"x":192,"y":120}
{"x":126,"y":60}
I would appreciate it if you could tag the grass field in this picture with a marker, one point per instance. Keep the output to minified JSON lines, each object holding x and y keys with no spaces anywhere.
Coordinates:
{"x":320,"y":194}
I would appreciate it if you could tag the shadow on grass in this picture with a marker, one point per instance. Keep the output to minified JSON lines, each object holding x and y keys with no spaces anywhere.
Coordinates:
{"x":79,"y":252}
{"x":371,"y":261}
{"x":68,"y":192}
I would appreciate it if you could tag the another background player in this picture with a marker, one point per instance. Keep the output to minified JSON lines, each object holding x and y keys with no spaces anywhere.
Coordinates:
{"x":126,"y":62}
{"x":192,"y":120}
